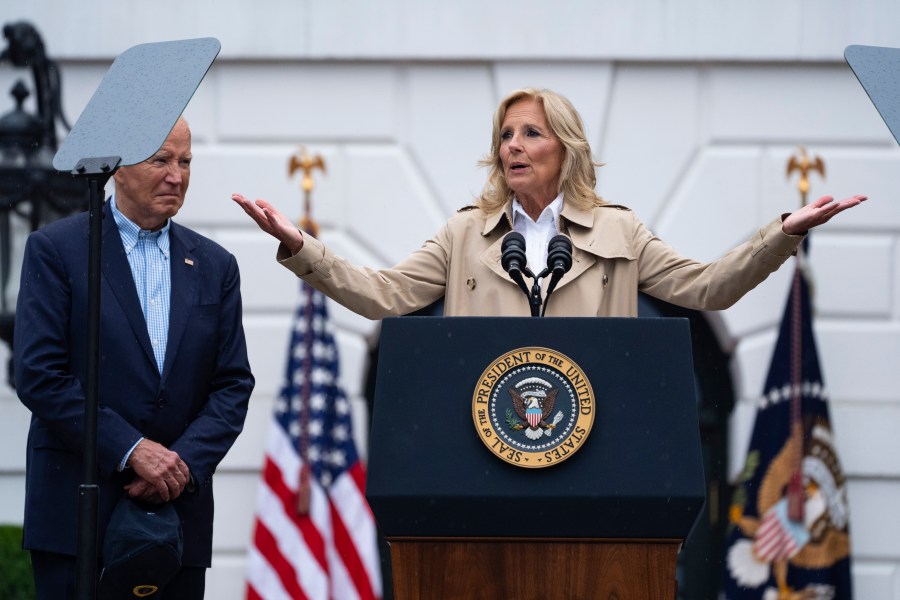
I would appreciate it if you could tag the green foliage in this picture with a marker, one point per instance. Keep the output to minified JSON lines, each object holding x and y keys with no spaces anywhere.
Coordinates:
{"x":750,"y":466}
{"x":16,"y":581}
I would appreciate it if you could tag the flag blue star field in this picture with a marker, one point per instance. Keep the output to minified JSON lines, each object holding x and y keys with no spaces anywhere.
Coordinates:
{"x":314,"y":535}
{"x":789,"y":523}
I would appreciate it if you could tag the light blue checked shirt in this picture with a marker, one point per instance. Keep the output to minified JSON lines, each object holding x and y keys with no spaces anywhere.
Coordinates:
{"x":148,"y":256}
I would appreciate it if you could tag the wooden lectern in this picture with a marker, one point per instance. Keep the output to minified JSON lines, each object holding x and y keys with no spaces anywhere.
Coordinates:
{"x":606,"y":522}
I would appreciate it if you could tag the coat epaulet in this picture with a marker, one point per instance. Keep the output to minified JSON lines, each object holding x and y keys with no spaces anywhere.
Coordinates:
{"x":616,"y":206}
{"x":467,"y":208}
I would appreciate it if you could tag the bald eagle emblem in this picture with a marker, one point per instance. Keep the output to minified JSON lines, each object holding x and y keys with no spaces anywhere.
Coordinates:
{"x":533,"y":407}
{"x":533,"y":400}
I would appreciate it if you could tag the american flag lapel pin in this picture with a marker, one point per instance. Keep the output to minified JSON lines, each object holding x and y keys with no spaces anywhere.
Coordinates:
{"x":189,"y":262}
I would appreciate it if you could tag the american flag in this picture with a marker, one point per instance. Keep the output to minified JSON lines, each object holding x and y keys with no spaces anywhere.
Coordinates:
{"x":314,"y":535}
{"x":789,"y":533}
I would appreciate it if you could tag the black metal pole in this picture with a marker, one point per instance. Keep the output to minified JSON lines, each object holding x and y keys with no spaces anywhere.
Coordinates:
{"x":534,"y":298}
{"x":98,"y":172}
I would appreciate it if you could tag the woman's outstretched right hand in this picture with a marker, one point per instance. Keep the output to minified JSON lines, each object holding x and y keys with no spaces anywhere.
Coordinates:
{"x":272,"y":222}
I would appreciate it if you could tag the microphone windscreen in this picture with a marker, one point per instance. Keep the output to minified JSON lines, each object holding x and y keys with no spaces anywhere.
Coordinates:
{"x":513,"y":252}
{"x":513,"y":238}
{"x":559,"y":253}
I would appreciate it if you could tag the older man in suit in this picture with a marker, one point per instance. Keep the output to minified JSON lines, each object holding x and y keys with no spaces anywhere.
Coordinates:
{"x":174,"y":376}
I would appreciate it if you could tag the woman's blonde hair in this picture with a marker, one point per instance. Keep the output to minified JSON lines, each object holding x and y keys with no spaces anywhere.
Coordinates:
{"x":577,"y":178}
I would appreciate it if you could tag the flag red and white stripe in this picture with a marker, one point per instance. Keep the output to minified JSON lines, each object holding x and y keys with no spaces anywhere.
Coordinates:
{"x":778,"y":537}
{"x":329,"y":552}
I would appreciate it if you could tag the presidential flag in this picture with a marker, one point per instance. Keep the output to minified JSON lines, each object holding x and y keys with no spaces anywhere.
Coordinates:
{"x":314,"y":535}
{"x":789,"y":524}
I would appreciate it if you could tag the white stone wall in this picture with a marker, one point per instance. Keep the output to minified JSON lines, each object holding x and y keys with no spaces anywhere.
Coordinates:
{"x":694,"y":107}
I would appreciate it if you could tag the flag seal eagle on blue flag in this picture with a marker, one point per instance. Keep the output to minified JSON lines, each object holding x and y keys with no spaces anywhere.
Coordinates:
{"x":788,"y":534}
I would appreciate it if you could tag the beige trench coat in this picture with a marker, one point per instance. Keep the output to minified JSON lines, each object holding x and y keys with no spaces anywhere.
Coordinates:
{"x":614,"y":256}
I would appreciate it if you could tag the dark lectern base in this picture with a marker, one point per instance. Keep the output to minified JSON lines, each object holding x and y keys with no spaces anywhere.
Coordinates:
{"x":527,"y":569}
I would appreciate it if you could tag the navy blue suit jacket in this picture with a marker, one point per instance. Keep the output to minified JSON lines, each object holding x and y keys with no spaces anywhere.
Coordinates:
{"x":196,"y":407}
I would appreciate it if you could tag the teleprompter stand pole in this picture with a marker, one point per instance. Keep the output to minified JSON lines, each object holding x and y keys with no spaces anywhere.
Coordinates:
{"x":97,"y":171}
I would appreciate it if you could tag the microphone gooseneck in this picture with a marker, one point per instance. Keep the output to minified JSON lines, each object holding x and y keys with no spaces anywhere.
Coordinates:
{"x":515,"y":262}
{"x":559,"y":261}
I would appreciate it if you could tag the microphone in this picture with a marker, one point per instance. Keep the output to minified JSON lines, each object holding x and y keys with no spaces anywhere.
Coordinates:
{"x":515,"y":262}
{"x":559,"y":261}
{"x":559,"y":255}
{"x":512,"y":253}
{"x":513,"y":258}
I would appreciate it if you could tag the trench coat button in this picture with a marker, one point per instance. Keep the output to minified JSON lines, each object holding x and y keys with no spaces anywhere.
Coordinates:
{"x":605,"y":279}
{"x":470,"y":283}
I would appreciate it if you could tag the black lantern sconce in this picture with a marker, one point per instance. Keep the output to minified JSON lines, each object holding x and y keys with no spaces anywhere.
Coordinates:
{"x":32,"y":192}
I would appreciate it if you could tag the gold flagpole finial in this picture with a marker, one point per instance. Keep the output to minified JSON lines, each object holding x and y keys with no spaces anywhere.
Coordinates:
{"x":303,"y":161}
{"x":804,"y":164}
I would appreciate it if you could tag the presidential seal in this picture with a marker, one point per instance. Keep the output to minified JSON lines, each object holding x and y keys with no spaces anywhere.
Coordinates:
{"x":533,"y":407}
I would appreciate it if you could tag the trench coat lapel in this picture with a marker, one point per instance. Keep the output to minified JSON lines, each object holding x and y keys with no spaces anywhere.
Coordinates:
{"x":591,"y":241}
{"x":499,"y":221}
